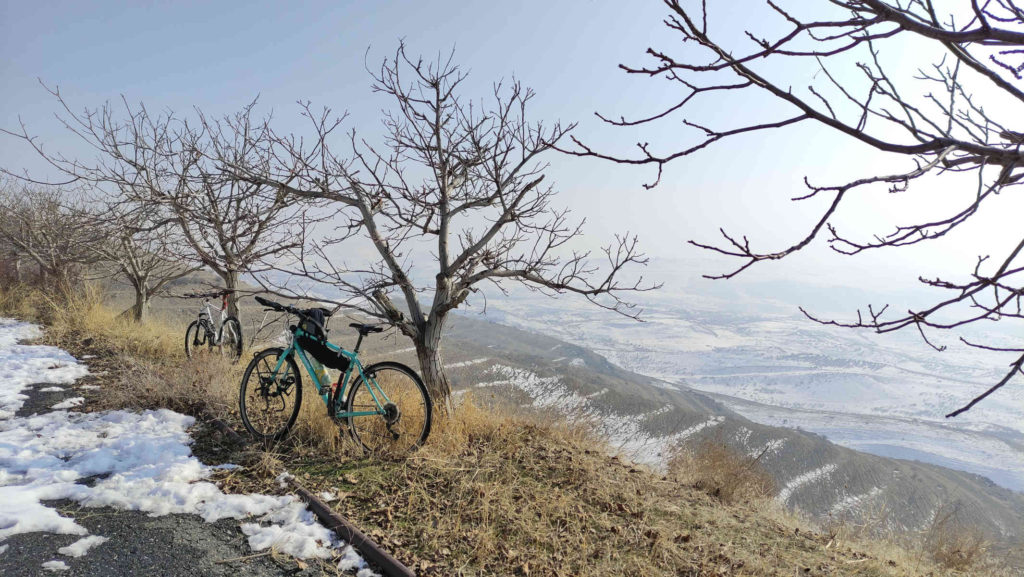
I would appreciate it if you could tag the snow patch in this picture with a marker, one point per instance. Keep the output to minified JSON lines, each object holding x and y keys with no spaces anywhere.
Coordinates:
{"x":804,"y":479}
{"x":82,"y":546}
{"x":51,"y":390}
{"x":55,"y":566}
{"x":24,"y":365}
{"x":769,"y":448}
{"x":853,"y":501}
{"x":283,"y":478}
{"x":467,"y":363}
{"x":69,"y":403}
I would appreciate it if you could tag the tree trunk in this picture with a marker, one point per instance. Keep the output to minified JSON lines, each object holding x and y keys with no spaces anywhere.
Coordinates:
{"x":17,"y":268}
{"x":230,"y":279}
{"x":428,"y":352}
{"x":140,"y":310}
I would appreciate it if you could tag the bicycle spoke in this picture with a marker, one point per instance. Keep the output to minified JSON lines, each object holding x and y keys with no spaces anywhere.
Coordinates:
{"x":404,"y":421}
{"x":269,"y":405}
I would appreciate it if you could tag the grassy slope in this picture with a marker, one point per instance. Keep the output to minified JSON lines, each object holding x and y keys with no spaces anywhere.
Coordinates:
{"x":492,"y":494}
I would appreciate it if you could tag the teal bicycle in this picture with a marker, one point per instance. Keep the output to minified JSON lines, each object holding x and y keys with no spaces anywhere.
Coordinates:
{"x":386,"y":408}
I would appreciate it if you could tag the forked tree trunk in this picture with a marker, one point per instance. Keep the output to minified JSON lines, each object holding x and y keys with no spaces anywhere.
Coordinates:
{"x":428,"y":352}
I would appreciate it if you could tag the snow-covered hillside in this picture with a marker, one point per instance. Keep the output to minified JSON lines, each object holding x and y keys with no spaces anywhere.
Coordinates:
{"x":884,"y":394}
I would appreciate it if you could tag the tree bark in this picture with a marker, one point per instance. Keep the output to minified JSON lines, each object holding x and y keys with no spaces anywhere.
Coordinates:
{"x":140,"y":310}
{"x":428,"y":352}
{"x":230,"y":278}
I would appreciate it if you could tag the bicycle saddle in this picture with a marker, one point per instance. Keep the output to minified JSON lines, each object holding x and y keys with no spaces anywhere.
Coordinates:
{"x":366,"y":329}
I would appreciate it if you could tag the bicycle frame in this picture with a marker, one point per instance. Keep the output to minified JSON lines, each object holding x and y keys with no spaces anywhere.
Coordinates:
{"x":324,"y":389}
{"x":205,"y":310}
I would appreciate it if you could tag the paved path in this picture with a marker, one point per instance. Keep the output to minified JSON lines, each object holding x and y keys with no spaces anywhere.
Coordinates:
{"x":169,"y":545}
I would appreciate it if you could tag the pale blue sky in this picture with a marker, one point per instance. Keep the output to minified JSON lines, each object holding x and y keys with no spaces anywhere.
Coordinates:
{"x":219,"y":56}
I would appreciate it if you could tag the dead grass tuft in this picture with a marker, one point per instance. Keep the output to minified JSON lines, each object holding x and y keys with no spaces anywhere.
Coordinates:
{"x":721,"y":471}
{"x":952,"y":541}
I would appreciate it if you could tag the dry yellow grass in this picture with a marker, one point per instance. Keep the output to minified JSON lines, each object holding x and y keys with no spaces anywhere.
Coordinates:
{"x":84,"y":315}
{"x":721,"y":471}
{"x":498,"y":494}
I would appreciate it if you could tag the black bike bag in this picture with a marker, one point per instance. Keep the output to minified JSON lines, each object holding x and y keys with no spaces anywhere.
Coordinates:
{"x":317,"y":348}
{"x":315,"y":321}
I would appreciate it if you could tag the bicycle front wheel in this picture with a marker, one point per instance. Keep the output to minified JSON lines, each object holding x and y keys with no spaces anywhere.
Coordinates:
{"x":231,"y":339}
{"x":269,"y":397}
{"x":197,"y":339}
{"x":405,"y":422}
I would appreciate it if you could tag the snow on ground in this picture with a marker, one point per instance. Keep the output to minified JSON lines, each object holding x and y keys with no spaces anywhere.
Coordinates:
{"x":55,"y":566}
{"x":804,"y":479}
{"x":851,"y":502}
{"x":467,"y":363}
{"x":24,"y":365}
{"x":69,"y":403}
{"x":82,"y":546}
{"x":999,"y":459}
{"x":755,"y":350}
{"x":140,"y":461}
{"x":626,"y":433}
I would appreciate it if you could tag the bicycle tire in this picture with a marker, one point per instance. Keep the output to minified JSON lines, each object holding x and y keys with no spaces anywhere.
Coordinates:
{"x":367,"y":430}
{"x":192,"y":340}
{"x":235,"y":350}
{"x":247,"y":383}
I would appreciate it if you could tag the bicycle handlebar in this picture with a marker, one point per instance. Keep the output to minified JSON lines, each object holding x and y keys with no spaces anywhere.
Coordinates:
{"x":271,"y":305}
{"x":219,"y":293}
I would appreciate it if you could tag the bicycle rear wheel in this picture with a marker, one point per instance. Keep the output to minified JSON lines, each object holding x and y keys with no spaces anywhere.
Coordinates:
{"x":405,"y":424}
{"x":269,"y":402}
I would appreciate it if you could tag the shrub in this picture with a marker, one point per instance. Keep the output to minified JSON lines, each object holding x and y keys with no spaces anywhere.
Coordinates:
{"x":952,"y":540}
{"x":721,"y":471}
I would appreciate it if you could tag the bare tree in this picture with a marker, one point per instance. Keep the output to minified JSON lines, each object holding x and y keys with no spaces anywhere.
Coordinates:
{"x":932,"y":119}
{"x":52,"y":229}
{"x":457,"y":188}
{"x":141,"y":245}
{"x":165,"y":162}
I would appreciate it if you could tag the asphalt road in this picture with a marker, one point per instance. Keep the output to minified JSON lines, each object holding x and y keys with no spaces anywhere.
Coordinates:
{"x":170,"y":545}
